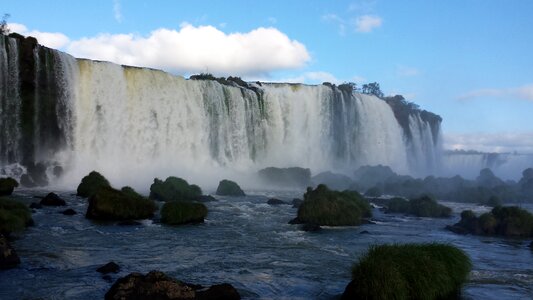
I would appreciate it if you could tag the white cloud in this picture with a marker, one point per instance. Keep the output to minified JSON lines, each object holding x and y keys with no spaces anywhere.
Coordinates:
{"x":490,"y":142}
{"x":524,"y":92}
{"x":367,"y":23}
{"x":49,"y":39}
{"x":196,"y":49}
{"x":117,"y":10}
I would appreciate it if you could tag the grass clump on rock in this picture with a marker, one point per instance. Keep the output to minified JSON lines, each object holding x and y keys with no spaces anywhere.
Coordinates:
{"x":420,"y":207}
{"x":91,"y":183}
{"x":323,"y":206}
{"x":229,"y":188}
{"x":114,"y":205}
{"x":14,"y":216}
{"x":179,"y":212}
{"x":174,"y":189}
{"x":509,"y":221}
{"x":7,"y":185}
{"x":409,"y":271}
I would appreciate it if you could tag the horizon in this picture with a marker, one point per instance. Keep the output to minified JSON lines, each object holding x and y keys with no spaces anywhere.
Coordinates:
{"x":470,"y":85}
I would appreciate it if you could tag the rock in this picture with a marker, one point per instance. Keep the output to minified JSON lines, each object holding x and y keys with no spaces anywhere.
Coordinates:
{"x":223,"y":291}
{"x":274,"y":201}
{"x":364,"y":232}
{"x":295,"y":221}
{"x":206,"y":198}
{"x":8,"y":256}
{"x":36,"y":205}
{"x":52,"y":200}
{"x":296,"y":202}
{"x":91,"y":183}
{"x":180,"y":212}
{"x":69,"y":212}
{"x":310,"y":227}
{"x":531,"y":245}
{"x":229,"y":188}
{"x":129,"y":223}
{"x":14,"y":216}
{"x":154,"y":285}
{"x":424,"y":206}
{"x":110,"y":267}
{"x":286,"y":177}
{"x":7,"y":185}
{"x":174,"y":189}
{"x":114,"y":205}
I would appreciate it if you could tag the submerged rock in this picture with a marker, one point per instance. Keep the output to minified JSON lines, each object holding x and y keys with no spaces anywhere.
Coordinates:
{"x":8,"y":257}
{"x":91,"y":184}
{"x":274,"y":201}
{"x":69,"y":212}
{"x":7,"y":185}
{"x":110,"y":267}
{"x":222,"y":291}
{"x":52,"y":199}
{"x":206,"y":198}
{"x":229,"y":188}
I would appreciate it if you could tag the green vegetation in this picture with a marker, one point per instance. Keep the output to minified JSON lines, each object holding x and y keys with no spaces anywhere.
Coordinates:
{"x":229,"y":188}
{"x":410,"y":271}
{"x":420,"y":207}
{"x":14,"y":216}
{"x":323,"y":206}
{"x":91,"y":183}
{"x":177,"y":212}
{"x":174,"y":189}
{"x":510,"y":221}
{"x":7,"y":185}
{"x":111,"y":204}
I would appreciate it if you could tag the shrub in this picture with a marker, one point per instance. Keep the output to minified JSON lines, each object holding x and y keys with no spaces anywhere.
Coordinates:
{"x":111,"y":204}
{"x":502,"y":220}
{"x":420,"y":207}
{"x":91,"y":183}
{"x":323,"y":206}
{"x":410,"y":271}
{"x":7,"y":185}
{"x":174,"y":189}
{"x":14,"y":216}
{"x":229,"y":188}
{"x":177,"y":212}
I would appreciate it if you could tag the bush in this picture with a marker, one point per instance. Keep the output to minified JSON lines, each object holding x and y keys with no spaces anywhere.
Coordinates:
{"x":323,"y":206}
{"x":229,"y":188}
{"x":7,"y":185}
{"x":510,"y":221}
{"x":14,"y":216}
{"x":111,"y":204}
{"x":174,"y":189}
{"x":420,"y":207}
{"x":410,"y":271}
{"x":176,"y":212}
{"x":91,"y":183}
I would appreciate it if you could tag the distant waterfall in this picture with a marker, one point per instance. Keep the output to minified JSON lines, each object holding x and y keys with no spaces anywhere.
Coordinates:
{"x":130,"y":122}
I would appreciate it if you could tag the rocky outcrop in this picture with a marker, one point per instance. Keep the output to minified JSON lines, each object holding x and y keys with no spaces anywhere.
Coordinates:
{"x":114,"y":205}
{"x":229,"y":188}
{"x":8,"y":256}
{"x":52,"y":199}
{"x":174,"y":189}
{"x":7,"y":185}
{"x":91,"y":183}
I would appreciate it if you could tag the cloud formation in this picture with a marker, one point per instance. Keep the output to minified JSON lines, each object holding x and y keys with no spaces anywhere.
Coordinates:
{"x":198,"y":49}
{"x":490,"y":142}
{"x":367,"y":23}
{"x":49,"y":39}
{"x":524,"y":92}
{"x":117,"y":11}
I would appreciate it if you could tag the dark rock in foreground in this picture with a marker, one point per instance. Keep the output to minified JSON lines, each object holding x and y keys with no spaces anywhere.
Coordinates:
{"x":35,"y":205}
{"x":8,"y":256}
{"x":69,"y":212}
{"x":274,"y":201}
{"x":91,"y":184}
{"x":179,"y":212}
{"x":157,"y":285}
{"x":52,"y":199}
{"x":114,"y":205}
{"x":229,"y":188}
{"x":7,"y":185}
{"x":110,"y":267}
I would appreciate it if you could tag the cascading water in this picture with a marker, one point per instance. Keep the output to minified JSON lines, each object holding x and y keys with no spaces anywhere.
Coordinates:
{"x":133,"y":124}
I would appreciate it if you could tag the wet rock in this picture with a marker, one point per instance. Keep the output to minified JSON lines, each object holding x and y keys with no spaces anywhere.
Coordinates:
{"x":223,"y":291}
{"x":296,"y":202}
{"x":129,"y":223}
{"x":53,"y":199}
{"x":364,"y":232}
{"x":154,"y":285}
{"x":229,"y":188}
{"x":110,"y":267}
{"x":206,"y":198}
{"x":274,"y":201}
{"x":7,"y":185}
{"x":310,"y":227}
{"x":36,"y":205}
{"x":295,"y":221}
{"x":8,"y":256}
{"x":69,"y":212}
{"x":91,"y":184}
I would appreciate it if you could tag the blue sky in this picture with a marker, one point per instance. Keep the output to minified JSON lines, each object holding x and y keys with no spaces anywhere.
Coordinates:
{"x":469,"y":61}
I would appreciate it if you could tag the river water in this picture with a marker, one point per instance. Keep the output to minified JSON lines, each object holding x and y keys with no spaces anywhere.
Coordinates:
{"x":245,"y":242}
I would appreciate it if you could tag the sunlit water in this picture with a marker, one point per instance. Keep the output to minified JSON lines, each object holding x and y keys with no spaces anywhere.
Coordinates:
{"x":245,"y":242}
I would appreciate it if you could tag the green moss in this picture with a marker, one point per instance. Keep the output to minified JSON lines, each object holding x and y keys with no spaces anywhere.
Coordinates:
{"x":130,"y":192}
{"x":91,"y":183}
{"x":229,"y":188}
{"x":420,"y":207}
{"x":14,"y":216}
{"x":323,"y":206}
{"x":174,"y":189}
{"x":176,"y":212}
{"x":7,"y":185}
{"x":410,"y":271}
{"x":111,"y":204}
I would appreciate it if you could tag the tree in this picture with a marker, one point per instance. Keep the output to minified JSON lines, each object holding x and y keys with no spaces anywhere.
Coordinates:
{"x":372,"y":89}
{"x":4,"y":29}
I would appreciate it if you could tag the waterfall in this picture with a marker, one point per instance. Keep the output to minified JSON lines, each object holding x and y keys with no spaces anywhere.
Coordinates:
{"x":136,"y":123}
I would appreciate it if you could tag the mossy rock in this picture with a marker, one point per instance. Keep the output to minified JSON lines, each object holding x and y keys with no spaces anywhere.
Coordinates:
{"x":14,"y":216}
{"x":7,"y":185}
{"x":178,"y":212}
{"x":229,"y":188}
{"x":91,"y":183}
{"x":114,"y":205}
{"x":325,"y":207}
{"x":174,"y":189}
{"x":420,"y":207}
{"x":509,"y":221}
{"x":409,"y":271}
